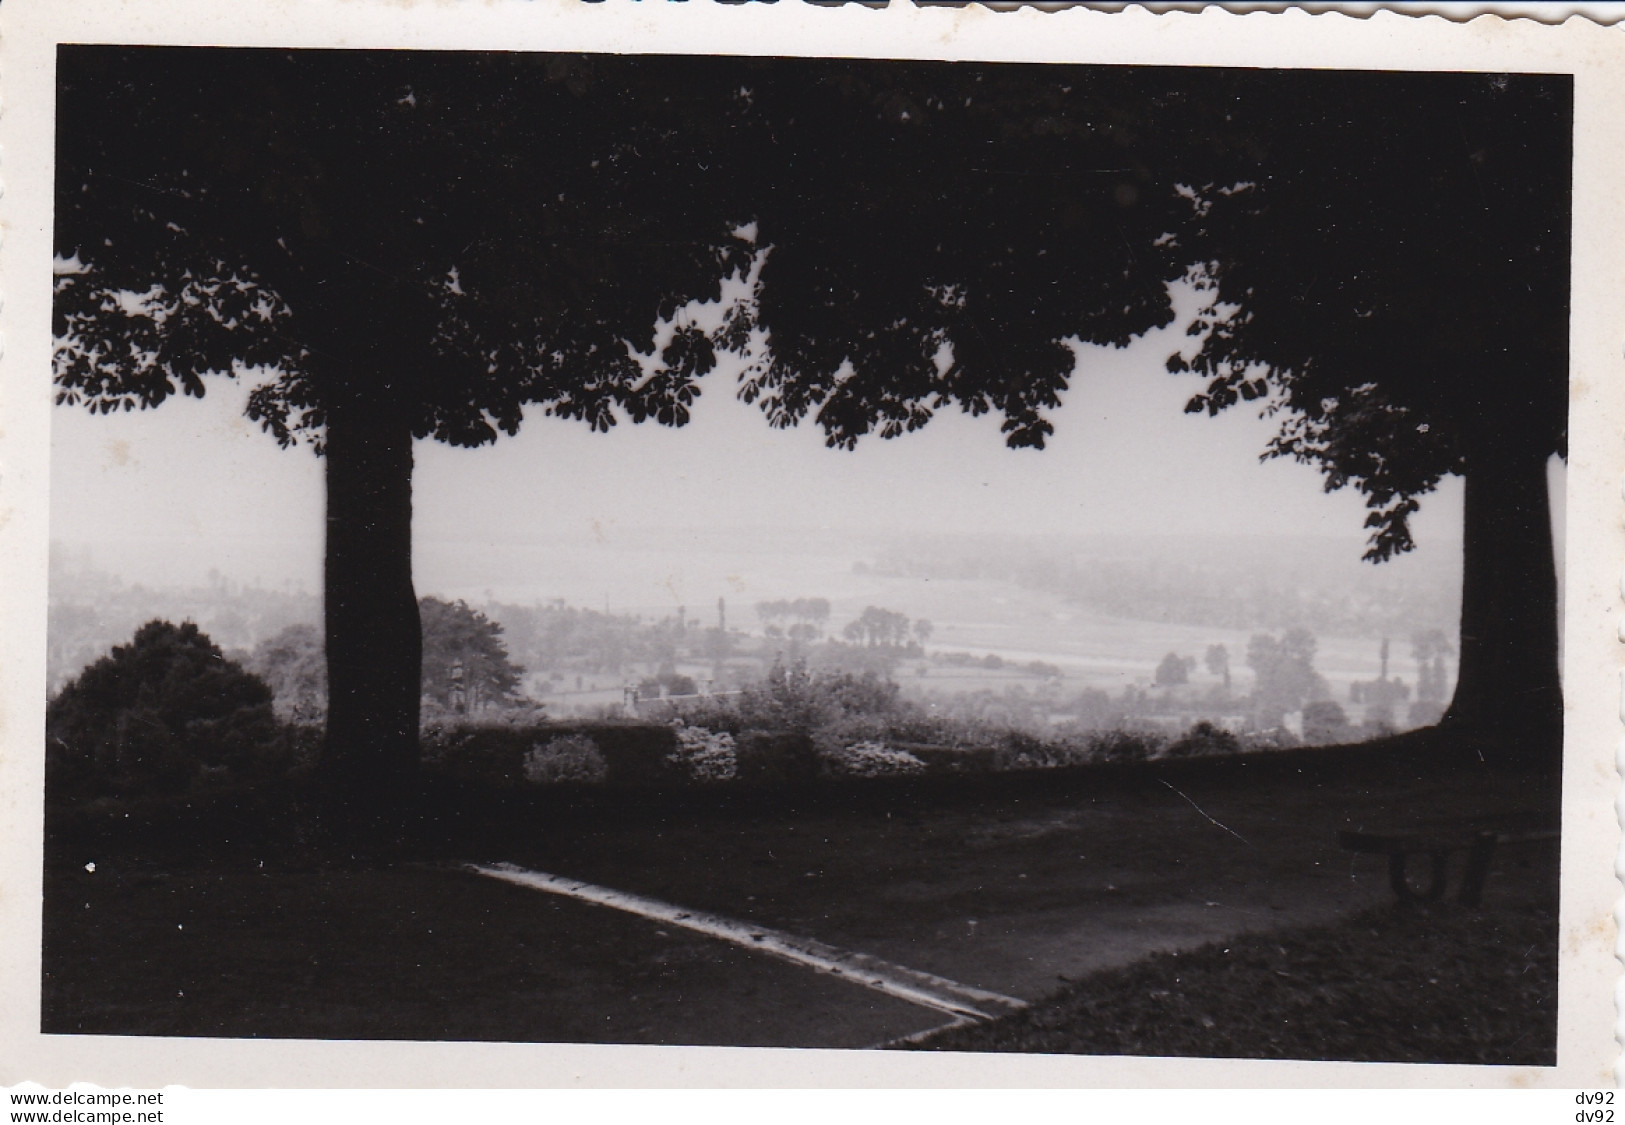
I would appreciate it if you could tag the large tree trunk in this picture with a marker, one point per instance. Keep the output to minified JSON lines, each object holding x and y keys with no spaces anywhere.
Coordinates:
{"x":374,"y":639}
{"x":1508,"y":697}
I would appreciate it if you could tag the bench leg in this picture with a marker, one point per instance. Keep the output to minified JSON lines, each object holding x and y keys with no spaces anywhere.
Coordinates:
{"x":1402,"y":886}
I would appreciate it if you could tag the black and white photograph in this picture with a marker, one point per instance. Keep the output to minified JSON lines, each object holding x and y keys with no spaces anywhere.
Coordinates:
{"x":947,"y":558}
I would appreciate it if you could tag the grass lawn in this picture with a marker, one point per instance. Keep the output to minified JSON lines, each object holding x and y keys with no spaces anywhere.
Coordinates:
{"x":214,"y":929}
{"x":1439,"y":983}
{"x":226,"y":948}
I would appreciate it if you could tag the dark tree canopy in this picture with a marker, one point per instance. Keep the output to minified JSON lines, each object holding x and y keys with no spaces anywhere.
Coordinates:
{"x":465,"y":234}
{"x":396,"y":245}
{"x":409,"y":245}
{"x":935,"y":232}
{"x":1387,"y":266}
{"x":1385,"y":258}
{"x":1391,"y":279}
{"x":157,"y":714}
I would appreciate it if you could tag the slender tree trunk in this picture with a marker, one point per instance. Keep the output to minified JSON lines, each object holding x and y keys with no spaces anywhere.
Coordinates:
{"x":1508,"y":697}
{"x":374,"y":637}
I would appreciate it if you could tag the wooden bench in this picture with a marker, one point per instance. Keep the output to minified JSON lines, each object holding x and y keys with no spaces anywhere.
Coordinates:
{"x":1479,"y":845}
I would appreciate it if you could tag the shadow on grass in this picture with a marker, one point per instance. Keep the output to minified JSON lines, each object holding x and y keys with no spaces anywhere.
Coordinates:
{"x":1414,"y":984}
{"x":213,"y":914}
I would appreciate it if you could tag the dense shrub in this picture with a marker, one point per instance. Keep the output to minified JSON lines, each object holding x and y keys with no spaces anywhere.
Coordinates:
{"x":869,"y":759}
{"x":775,"y":758}
{"x":1276,"y":738}
{"x":705,"y":756}
{"x":669,"y":682}
{"x":1018,"y":750}
{"x":796,"y":699}
{"x":1324,"y":722}
{"x":164,"y":713}
{"x":506,"y":754}
{"x":1204,"y":739}
{"x":955,"y":732}
{"x":797,"y":712}
{"x":569,"y":758}
{"x":842,"y":731}
{"x":1125,"y":746}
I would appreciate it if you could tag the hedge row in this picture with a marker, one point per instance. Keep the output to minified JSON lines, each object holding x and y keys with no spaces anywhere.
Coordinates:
{"x":633,"y":755}
{"x":655,"y":755}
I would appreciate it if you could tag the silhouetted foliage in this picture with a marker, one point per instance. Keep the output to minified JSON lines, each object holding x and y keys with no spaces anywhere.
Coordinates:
{"x":1385,"y":259}
{"x":163,"y":713}
{"x":937,"y":232}
{"x":463,"y":651}
{"x":1393,"y":283}
{"x":399,"y":245}
{"x":1204,"y":738}
{"x":409,"y":245}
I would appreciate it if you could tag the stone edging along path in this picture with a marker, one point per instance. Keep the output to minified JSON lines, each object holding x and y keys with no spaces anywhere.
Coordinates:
{"x":964,"y":1003}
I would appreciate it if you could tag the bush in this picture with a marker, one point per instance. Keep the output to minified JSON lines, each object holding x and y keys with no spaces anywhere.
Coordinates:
{"x":1124,"y":746}
{"x":705,"y":756}
{"x":870,"y":759}
{"x":1276,"y":738}
{"x":840,"y":732}
{"x":951,"y":759}
{"x":1202,"y":740}
{"x":775,"y":758}
{"x":1018,"y":750}
{"x":1325,"y":722}
{"x":797,"y":700}
{"x":165,"y":713}
{"x":499,"y":753}
{"x":571,"y":758}
{"x":674,"y":683}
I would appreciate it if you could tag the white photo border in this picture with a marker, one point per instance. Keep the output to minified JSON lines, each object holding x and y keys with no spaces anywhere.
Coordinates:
{"x":1594,"y":55}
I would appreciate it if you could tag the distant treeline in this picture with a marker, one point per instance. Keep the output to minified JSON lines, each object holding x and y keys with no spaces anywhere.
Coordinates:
{"x":1226,"y":589}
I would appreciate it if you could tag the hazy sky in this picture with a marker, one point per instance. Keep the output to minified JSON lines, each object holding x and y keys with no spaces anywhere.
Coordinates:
{"x":164,"y":496}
